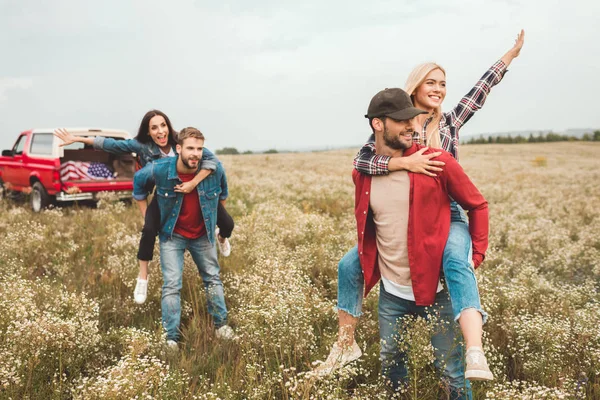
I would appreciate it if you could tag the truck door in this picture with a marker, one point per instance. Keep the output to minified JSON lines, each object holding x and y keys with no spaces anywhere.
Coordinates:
{"x":14,"y":168}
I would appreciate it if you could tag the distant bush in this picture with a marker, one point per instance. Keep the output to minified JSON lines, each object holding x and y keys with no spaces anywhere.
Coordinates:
{"x":248,"y":152}
{"x":540,"y":161}
{"x":271,"y":151}
{"x":228,"y":150}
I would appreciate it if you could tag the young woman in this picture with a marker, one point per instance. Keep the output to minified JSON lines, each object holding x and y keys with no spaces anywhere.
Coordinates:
{"x":427,"y":86}
{"x":155,"y":140}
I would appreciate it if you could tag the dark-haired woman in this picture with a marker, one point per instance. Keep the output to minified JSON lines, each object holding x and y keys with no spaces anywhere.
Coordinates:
{"x":156,"y":139}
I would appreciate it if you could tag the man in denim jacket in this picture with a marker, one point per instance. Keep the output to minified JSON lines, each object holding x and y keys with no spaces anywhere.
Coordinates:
{"x":187,"y":222}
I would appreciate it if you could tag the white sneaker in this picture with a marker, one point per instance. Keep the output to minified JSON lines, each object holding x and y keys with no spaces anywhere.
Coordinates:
{"x":172,"y":345}
{"x":141,"y":291}
{"x":477,"y":366}
{"x":224,"y":247}
{"x":338,"y":357}
{"x":226,"y":333}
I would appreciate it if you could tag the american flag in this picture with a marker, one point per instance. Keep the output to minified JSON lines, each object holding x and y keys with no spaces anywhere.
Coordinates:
{"x":80,"y":170}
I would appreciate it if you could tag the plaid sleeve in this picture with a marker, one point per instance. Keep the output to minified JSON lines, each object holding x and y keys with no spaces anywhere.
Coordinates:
{"x":367,"y":162}
{"x":475,"y":99}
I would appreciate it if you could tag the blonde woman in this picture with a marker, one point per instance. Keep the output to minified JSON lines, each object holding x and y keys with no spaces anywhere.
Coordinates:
{"x":427,"y":86}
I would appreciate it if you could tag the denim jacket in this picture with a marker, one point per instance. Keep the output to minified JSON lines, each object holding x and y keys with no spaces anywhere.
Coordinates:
{"x":163,"y":174}
{"x":147,"y":152}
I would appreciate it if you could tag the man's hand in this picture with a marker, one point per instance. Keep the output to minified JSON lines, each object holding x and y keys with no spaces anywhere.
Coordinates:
{"x":185,"y":187}
{"x":418,"y":162}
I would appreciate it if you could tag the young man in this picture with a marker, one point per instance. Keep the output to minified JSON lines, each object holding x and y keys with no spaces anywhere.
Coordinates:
{"x":403,"y":221}
{"x":180,"y":230}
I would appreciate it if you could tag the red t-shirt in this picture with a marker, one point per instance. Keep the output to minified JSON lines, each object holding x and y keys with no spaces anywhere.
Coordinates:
{"x":190,"y":223}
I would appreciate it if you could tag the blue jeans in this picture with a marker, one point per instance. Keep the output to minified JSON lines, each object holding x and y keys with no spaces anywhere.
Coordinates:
{"x":204,"y":255}
{"x":458,"y":269}
{"x":448,"y":349}
{"x":351,"y":284}
{"x":459,"y":274}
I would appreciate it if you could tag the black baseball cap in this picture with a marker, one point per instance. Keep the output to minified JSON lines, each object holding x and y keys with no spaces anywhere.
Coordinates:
{"x":394,"y":103}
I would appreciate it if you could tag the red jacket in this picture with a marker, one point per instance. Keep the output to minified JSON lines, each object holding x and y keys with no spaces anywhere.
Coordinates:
{"x":428,"y":223}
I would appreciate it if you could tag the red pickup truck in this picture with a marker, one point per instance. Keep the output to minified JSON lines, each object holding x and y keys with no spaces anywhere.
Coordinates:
{"x":38,"y":166}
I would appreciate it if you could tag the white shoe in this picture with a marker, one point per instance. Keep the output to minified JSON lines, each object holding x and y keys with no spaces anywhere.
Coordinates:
{"x":226,"y":333}
{"x":338,"y":357}
{"x":141,"y":291}
{"x":172,"y":345}
{"x":224,"y":247}
{"x":477,"y":366}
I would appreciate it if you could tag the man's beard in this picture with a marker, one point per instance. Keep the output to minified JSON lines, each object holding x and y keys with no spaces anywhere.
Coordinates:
{"x":185,"y":162}
{"x":393,"y":141}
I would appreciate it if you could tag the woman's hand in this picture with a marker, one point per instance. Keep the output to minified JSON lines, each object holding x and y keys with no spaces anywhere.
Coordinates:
{"x":185,"y":187}
{"x":516,"y":49}
{"x":65,"y":136}
{"x":418,"y":162}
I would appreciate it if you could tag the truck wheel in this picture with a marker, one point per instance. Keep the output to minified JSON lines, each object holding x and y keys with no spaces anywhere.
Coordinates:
{"x":39,"y":197}
{"x":2,"y":190}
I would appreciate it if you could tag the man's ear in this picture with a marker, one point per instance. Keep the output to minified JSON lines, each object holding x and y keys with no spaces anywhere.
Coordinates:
{"x":377,"y":124}
{"x":178,"y":148}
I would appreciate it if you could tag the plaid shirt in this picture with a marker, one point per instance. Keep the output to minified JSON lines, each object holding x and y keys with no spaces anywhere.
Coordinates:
{"x":367,"y":162}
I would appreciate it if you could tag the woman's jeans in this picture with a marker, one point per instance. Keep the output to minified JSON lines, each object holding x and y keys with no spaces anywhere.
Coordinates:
{"x":458,"y":272}
{"x":448,"y":350}
{"x":204,"y":255}
{"x":152,"y":226}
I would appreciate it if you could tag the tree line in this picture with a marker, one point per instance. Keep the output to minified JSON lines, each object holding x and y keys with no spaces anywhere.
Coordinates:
{"x":540,"y":138}
{"x":234,"y":151}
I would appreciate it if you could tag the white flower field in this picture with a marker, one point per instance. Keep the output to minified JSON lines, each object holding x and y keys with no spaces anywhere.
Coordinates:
{"x":69,"y":328}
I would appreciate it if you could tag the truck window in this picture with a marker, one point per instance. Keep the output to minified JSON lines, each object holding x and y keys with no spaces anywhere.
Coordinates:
{"x":19,"y":146}
{"x":41,"y":143}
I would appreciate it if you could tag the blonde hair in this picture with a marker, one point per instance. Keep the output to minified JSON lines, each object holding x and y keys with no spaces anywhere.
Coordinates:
{"x":414,"y":80}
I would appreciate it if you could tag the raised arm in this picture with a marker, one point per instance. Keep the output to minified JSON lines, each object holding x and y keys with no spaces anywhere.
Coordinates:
{"x":475,"y":99}
{"x":114,"y":146}
{"x":461,"y":189}
{"x":370,"y":163}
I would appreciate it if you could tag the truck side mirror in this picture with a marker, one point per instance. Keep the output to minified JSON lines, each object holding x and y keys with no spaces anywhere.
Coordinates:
{"x":7,"y":153}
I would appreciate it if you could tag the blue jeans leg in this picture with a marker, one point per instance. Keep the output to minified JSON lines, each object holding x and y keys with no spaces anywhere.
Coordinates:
{"x":392,"y":310}
{"x":171,"y":263}
{"x":458,"y":271}
{"x":351,"y":284}
{"x":448,"y":351}
{"x":205,"y":256}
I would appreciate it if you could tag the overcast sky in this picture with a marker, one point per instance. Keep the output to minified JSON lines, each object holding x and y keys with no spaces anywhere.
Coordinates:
{"x":288,"y":74}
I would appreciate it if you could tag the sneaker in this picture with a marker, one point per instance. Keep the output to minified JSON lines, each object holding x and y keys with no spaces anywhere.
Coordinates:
{"x":477,"y":367}
{"x":338,"y":357}
{"x":226,"y":333}
{"x":141,"y":291}
{"x":172,"y":345}
{"x":224,"y":247}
